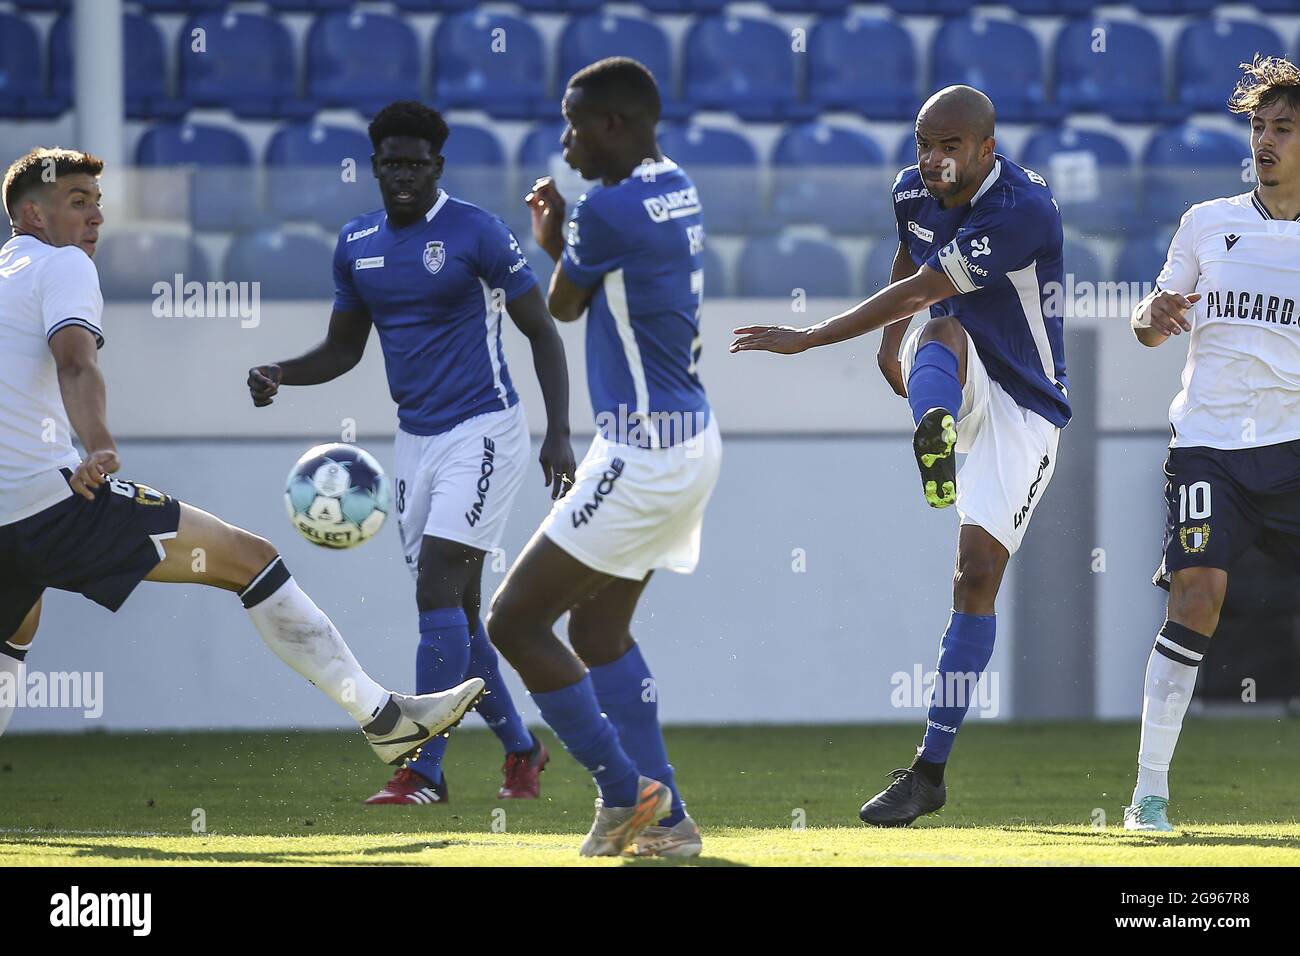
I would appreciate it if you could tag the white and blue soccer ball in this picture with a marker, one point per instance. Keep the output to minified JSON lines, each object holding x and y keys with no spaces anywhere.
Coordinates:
{"x":337,"y":495}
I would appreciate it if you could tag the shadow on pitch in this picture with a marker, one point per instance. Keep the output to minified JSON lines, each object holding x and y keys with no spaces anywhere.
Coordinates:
{"x":200,"y":856}
{"x":1181,"y":837}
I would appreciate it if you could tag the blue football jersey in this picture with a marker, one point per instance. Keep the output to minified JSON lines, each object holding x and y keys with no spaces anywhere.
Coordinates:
{"x":1002,"y":252}
{"x":640,"y":244}
{"x":431,"y":289}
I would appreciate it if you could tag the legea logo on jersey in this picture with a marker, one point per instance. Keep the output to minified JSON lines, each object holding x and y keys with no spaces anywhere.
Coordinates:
{"x":179,"y":299}
{"x":434,"y":256}
{"x":673,"y":205}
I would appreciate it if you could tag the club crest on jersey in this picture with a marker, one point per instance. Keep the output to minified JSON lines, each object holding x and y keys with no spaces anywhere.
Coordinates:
{"x":434,"y":256}
{"x":1194,"y":538}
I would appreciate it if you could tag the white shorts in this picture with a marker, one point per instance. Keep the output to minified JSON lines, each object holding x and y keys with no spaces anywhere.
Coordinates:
{"x":632,"y":510}
{"x":1010,"y":452}
{"x":460,"y":485}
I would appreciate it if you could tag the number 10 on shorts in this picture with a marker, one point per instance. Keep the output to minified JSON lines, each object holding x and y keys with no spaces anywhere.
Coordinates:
{"x":1193,"y":501}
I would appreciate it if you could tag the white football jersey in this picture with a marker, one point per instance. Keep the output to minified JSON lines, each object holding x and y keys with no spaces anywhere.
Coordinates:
{"x":43,"y":289}
{"x":1241,"y":383}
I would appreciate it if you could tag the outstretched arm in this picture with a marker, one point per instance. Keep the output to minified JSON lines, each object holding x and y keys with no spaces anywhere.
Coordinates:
{"x":529,"y":313}
{"x":82,"y":388}
{"x":344,"y":344}
{"x":892,"y":338}
{"x":898,"y":300}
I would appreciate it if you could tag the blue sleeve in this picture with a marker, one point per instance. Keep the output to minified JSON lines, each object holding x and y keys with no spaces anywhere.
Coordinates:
{"x":346,"y":298}
{"x":900,"y":208}
{"x":591,"y":246}
{"x":992,"y":243}
{"x":501,"y":263}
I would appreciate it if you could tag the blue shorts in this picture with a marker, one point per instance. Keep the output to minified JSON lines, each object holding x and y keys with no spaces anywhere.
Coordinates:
{"x":1220,"y":502}
{"x":101,"y":549}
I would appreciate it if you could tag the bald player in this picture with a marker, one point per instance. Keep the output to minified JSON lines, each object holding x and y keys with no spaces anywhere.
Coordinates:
{"x":979,"y":245}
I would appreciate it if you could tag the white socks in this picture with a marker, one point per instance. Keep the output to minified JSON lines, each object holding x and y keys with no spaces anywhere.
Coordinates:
{"x":1170,"y":681}
{"x":304,"y":638}
{"x":11,"y":681}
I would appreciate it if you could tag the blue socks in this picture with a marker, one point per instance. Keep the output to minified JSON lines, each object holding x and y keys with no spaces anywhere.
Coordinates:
{"x":440,"y":663}
{"x":628,"y":695}
{"x":934,"y":382}
{"x":496,"y":708}
{"x":575,"y":716}
{"x":964,"y":652}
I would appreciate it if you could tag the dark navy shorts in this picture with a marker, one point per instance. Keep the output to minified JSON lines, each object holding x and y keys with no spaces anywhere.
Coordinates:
{"x":101,"y":548}
{"x":1218,"y":503}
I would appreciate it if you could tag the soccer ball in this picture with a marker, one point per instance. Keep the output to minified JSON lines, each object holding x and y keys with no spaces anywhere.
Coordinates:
{"x":337,"y":495}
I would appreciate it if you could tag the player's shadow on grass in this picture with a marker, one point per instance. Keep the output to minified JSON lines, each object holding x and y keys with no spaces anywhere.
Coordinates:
{"x":199,"y":856}
{"x":1182,"y":837}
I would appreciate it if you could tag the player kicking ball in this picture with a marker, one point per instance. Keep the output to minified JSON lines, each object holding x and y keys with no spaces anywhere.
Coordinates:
{"x":631,"y":257}
{"x":66,"y":524}
{"x":979,"y":245}
{"x":433,"y":274}
{"x":1232,"y":279}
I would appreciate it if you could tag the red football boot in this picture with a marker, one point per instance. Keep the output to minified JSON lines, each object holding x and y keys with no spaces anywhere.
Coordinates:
{"x":410,"y":786}
{"x":523,"y":773}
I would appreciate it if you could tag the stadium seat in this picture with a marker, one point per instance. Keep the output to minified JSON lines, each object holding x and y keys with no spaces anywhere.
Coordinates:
{"x":57,"y":5}
{"x":289,"y":265}
{"x":683,"y":6}
{"x":22,"y":85}
{"x":1080,"y":259}
{"x":865,"y":65}
{"x":246,"y":64}
{"x":559,"y":6}
{"x":717,"y":283}
{"x":831,"y":176}
{"x":223,"y":196}
{"x":130,"y":261}
{"x":932,"y":7}
{"x":1208,"y":53}
{"x":593,"y":37}
{"x":775,"y":266}
{"x":305,"y":175}
{"x":824,"y":7}
{"x":145,"y":63}
{"x":181,"y":6}
{"x":1001,"y":58}
{"x":1126,"y":81}
{"x":1179,"y":6}
{"x":724,"y":167}
{"x":743,"y":65}
{"x":492,"y":62}
{"x":878,"y":265}
{"x":436,"y":6}
{"x":1091,"y":175}
{"x":309,"y":6}
{"x":1140,"y":260}
{"x":1187,"y":164}
{"x":1069,"y":8}
{"x":475,"y":168}
{"x":343,"y":70}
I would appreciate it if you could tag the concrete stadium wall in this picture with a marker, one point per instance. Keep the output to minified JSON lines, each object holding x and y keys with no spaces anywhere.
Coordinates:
{"x":817,"y":475}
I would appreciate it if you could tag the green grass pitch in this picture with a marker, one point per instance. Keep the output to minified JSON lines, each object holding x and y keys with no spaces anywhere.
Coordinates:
{"x":1018,"y":794}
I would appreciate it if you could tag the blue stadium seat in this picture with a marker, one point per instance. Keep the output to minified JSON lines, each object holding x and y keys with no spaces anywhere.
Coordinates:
{"x":932,"y":7}
{"x":831,"y":176}
{"x":492,"y":62}
{"x":436,"y":6}
{"x":181,"y":6}
{"x":1140,"y":260}
{"x":683,"y":6}
{"x":1001,"y":58}
{"x":1080,"y":259}
{"x":1069,"y":8}
{"x":1179,"y":6}
{"x":717,"y":283}
{"x":305,"y":175}
{"x":863,"y":64}
{"x":309,"y":6}
{"x":1186,"y":164}
{"x":343,"y":70}
{"x":1274,"y":6}
{"x":593,"y":37}
{"x":1126,"y":81}
{"x":559,"y":6}
{"x":246,"y":65}
{"x":1208,"y":53}
{"x":145,"y":63}
{"x":57,"y":5}
{"x":130,"y":262}
{"x":289,"y":265}
{"x":22,"y":78}
{"x":475,"y":168}
{"x":743,"y":65}
{"x":774,"y":266}
{"x":1091,"y":175}
{"x":223,"y":196}
{"x":824,"y":7}
{"x":878,"y":265}
{"x":724,"y":167}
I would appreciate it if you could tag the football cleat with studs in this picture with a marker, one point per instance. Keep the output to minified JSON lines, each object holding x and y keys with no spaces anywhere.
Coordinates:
{"x":935,"y":443}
